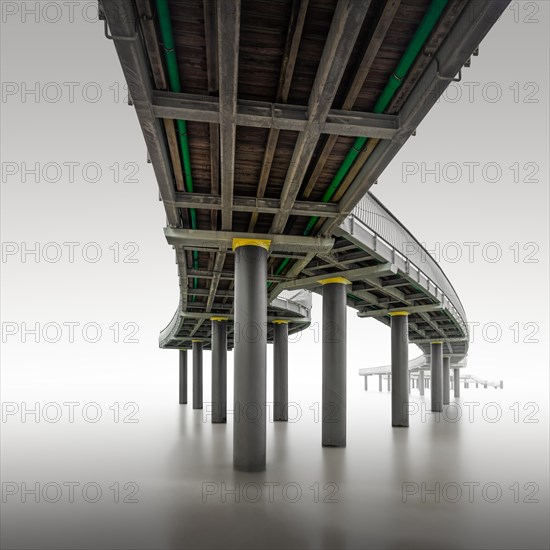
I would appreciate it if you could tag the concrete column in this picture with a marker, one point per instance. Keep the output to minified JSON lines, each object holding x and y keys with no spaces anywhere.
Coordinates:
{"x":379,"y":382}
{"x":249,"y":428}
{"x":183,"y":377}
{"x":456,"y":387}
{"x":421,"y":382}
{"x":366,"y":382}
{"x":197,"y":374}
{"x":400,"y":369}
{"x":280,"y":371}
{"x":437,"y":376}
{"x":334,"y":362}
{"x":219,"y":370}
{"x":466,"y":385}
{"x":388,"y":382}
{"x":427,"y":383}
{"x":446,"y":380}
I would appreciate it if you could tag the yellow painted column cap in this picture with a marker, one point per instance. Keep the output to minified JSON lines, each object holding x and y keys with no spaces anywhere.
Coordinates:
{"x":280,"y":322}
{"x":341,"y":280}
{"x":262,"y":243}
{"x":219,"y":318}
{"x":398,"y":313}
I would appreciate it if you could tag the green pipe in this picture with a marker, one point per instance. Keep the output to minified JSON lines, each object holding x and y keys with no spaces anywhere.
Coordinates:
{"x":165,"y":24}
{"x":415,"y":45}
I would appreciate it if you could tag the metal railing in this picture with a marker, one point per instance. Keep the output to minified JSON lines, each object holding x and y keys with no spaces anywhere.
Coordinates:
{"x":385,"y":226}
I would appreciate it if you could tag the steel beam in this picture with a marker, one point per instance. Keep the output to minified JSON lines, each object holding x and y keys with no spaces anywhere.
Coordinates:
{"x":192,"y":238}
{"x":252,"y":204}
{"x":276,"y":116}
{"x":229,"y":18}
{"x":408,"y":309}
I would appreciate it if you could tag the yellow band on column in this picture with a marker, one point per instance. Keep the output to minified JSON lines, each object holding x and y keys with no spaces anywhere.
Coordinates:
{"x":280,"y":322}
{"x":219,"y":318}
{"x":340,"y":280}
{"x":251,"y":242}
{"x":397,"y":313}
{"x":437,"y":342}
{"x":196,"y":341}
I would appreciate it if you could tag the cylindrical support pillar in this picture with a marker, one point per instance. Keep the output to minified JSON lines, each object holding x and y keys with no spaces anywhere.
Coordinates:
{"x":446,"y":380}
{"x":437,"y":376}
{"x":466,"y":385}
{"x":183,"y":377}
{"x":421,"y":382}
{"x":280,"y":371}
{"x":219,"y":370}
{"x":197,"y":374}
{"x":388,"y":381}
{"x":379,"y":382}
{"x":428,"y":383}
{"x":334,"y":363}
{"x":456,"y":377}
{"x":400,"y":369}
{"x":249,"y":428}
{"x":366,"y":382}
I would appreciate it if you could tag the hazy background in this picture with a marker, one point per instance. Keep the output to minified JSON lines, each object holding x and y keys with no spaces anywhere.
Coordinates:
{"x":497,"y":117}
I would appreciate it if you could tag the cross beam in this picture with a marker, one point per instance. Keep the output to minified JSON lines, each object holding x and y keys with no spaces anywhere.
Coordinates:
{"x":262,"y":114}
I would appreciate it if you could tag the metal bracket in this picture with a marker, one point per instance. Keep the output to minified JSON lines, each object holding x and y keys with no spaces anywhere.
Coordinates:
{"x":119,"y":38}
{"x":447,"y":78}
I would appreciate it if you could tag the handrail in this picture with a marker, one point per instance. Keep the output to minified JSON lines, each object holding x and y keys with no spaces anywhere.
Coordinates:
{"x":301,"y":300}
{"x":384,"y":225}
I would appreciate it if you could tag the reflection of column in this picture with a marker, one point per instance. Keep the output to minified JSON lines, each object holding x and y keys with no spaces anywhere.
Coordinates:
{"x":446,"y":380}
{"x":421,"y":382}
{"x":183,"y":377}
{"x":437,"y":376}
{"x":250,"y":306}
{"x":197,"y":374}
{"x":334,"y":362}
{"x":456,"y":375}
{"x":219,"y":369}
{"x":400,"y":369}
{"x":280,"y":370}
